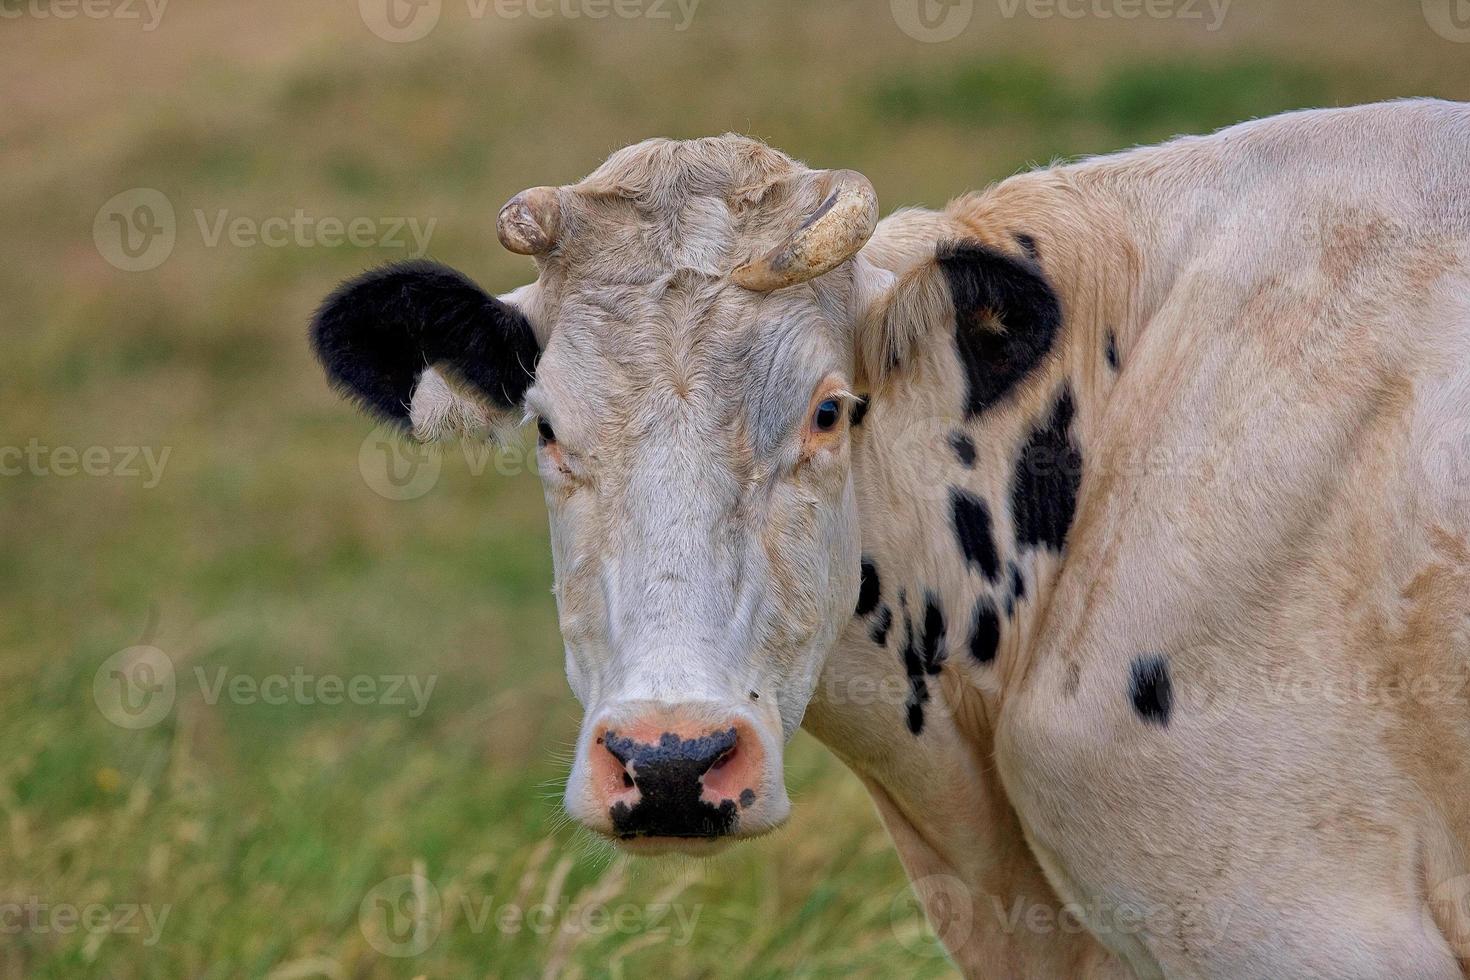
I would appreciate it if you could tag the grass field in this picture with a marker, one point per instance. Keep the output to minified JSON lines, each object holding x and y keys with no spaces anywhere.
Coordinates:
{"x":177,"y":476}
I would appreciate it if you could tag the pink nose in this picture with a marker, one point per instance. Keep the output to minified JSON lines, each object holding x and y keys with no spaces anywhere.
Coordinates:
{"x":675,"y":777}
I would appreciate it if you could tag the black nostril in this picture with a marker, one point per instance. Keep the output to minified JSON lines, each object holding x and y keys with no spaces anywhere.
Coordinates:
{"x":669,"y":777}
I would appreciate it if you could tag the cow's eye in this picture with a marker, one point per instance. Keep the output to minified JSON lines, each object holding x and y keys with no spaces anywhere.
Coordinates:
{"x":827,"y":415}
{"x":544,"y":430}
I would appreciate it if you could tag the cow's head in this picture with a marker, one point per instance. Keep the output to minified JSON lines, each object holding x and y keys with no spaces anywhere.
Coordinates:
{"x":691,"y":355}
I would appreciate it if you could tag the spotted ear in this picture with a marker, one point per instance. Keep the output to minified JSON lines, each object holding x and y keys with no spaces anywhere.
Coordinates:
{"x":420,"y":344}
{"x":1000,"y":311}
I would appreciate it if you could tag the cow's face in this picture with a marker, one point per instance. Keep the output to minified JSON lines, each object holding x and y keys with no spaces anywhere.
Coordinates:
{"x":689,"y":356}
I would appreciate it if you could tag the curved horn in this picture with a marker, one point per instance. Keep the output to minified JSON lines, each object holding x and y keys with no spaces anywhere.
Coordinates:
{"x":833,"y":233}
{"x":530,"y":222}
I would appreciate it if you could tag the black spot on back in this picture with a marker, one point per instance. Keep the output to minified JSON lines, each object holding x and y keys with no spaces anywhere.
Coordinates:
{"x":1018,"y":584}
{"x":972,"y":530}
{"x":1112,"y":350}
{"x":859,"y":412}
{"x":869,"y":590}
{"x":1151,"y":690}
{"x":964,"y":449}
{"x":984,"y":632}
{"x":1006,"y":319}
{"x":1048,"y":473}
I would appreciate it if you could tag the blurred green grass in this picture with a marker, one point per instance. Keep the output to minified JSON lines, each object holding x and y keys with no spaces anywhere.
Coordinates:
{"x":264,"y":550}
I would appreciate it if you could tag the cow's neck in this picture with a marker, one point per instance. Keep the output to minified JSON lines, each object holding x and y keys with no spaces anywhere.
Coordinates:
{"x":964,"y":524}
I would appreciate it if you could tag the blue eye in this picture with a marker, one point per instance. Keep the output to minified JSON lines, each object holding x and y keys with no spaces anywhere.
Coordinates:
{"x":828,"y":414}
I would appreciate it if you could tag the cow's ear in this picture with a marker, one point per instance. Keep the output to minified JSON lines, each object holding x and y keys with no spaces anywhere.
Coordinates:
{"x":997,"y":309}
{"x":421,"y":345}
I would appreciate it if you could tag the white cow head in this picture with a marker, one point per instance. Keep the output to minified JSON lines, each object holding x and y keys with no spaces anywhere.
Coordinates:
{"x":691,"y":354}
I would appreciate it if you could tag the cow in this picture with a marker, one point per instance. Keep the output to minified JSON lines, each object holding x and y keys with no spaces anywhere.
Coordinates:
{"x":1110,"y":524}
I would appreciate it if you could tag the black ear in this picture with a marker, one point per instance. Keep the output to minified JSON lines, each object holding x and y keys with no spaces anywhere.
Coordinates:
{"x":1006,"y":318}
{"x":377,"y":333}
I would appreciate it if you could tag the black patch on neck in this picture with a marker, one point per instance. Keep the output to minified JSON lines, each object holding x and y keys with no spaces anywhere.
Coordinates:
{"x":869,"y":590}
{"x":1112,"y":350}
{"x":984,"y":632}
{"x":1006,"y":319}
{"x":859,"y":412}
{"x":972,"y":529}
{"x":878,"y":632}
{"x":964,"y":449}
{"x":1151,"y":689}
{"x":923,"y":656}
{"x":669,"y":783}
{"x":1048,"y":474}
{"x":1028,"y":245}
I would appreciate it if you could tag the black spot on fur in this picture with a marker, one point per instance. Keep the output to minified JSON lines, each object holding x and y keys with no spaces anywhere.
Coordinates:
{"x":964,"y":449}
{"x":869,"y":590}
{"x":1048,"y":473}
{"x":1018,"y":584}
{"x":878,"y":632}
{"x":375,"y":335}
{"x":747,"y":797}
{"x":984,"y":632}
{"x":1151,"y":690}
{"x":1006,"y":318}
{"x":1028,"y":245}
{"x":859,"y":412}
{"x":668,"y":777}
{"x":972,"y":530}
{"x":1112,"y":350}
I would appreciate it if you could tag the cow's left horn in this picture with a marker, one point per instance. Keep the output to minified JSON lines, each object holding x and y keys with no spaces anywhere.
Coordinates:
{"x":530,"y":222}
{"x":834,"y":232}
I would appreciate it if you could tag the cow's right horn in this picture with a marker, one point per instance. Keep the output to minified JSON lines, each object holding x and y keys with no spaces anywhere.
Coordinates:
{"x":530,"y":222}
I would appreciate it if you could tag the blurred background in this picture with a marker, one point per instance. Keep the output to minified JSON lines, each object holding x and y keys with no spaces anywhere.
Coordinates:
{"x":283,"y":698}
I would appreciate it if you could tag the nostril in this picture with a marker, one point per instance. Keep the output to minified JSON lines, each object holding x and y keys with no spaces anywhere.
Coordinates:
{"x":724,"y":760}
{"x":627,"y":779}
